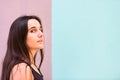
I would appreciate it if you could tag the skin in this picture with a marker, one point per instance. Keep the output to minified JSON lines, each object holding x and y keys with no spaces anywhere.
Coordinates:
{"x":34,"y":37}
{"x":34,"y":42}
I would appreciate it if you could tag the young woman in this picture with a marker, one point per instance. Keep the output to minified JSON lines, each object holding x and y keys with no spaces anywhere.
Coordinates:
{"x":24,"y":41}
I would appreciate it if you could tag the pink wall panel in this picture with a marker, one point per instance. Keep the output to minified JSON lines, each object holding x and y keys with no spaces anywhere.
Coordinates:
{"x":10,"y":9}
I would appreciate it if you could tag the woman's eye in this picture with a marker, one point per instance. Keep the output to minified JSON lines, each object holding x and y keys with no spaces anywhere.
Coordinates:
{"x":32,"y":31}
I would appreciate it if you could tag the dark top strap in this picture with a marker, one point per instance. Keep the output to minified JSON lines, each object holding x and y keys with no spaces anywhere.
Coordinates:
{"x":36,"y":75}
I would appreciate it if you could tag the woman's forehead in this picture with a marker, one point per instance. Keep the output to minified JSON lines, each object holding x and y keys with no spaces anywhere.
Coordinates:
{"x":33,"y":23}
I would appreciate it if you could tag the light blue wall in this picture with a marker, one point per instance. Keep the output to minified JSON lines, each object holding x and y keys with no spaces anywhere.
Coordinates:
{"x":86,"y":39}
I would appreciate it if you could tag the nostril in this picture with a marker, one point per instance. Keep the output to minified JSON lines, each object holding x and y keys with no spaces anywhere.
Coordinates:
{"x":40,"y":35}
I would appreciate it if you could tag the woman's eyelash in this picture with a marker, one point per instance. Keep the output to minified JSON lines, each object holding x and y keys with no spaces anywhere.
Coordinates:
{"x":33,"y":30}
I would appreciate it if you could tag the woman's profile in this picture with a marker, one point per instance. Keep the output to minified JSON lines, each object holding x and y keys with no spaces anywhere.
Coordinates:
{"x":25,"y":39}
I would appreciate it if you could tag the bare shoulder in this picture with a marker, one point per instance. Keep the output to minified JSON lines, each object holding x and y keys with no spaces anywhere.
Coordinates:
{"x":20,"y":67}
{"x":21,"y":71}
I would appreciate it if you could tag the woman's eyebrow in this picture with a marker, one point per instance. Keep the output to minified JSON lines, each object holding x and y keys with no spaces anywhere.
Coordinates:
{"x":31,"y":27}
{"x":34,"y":27}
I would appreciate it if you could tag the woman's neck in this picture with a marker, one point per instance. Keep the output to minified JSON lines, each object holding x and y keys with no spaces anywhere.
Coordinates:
{"x":32,"y":56}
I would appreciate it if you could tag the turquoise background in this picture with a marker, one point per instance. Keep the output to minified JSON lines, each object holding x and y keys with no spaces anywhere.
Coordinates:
{"x":86,"y":39}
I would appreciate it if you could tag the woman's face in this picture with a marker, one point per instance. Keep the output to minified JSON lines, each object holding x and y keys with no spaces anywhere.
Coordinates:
{"x":35,"y":35}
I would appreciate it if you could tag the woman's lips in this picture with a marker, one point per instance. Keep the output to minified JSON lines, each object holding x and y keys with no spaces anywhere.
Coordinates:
{"x":40,"y":41}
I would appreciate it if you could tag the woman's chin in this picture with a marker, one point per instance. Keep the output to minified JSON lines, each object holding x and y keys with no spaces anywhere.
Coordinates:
{"x":41,"y":47}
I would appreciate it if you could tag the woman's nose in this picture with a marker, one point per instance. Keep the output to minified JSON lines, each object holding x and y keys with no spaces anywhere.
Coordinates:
{"x":40,"y":34}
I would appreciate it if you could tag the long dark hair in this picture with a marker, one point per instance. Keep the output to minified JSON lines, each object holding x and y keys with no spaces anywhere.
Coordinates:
{"x":17,"y":50}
